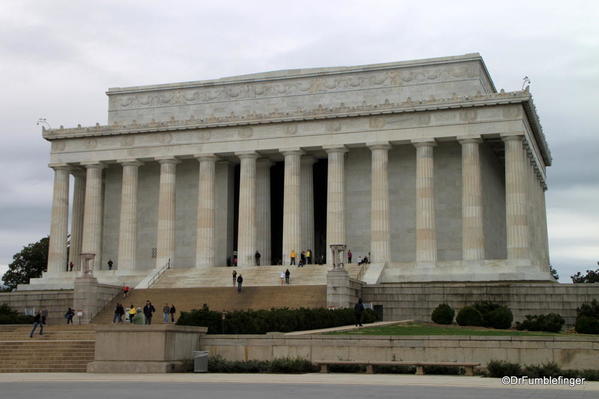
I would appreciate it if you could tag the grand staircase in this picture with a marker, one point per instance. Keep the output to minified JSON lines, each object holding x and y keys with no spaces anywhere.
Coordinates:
{"x":260,"y":276}
{"x":62,"y":348}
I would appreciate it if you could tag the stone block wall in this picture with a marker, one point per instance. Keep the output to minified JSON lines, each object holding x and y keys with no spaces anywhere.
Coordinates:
{"x":416,"y":301}
{"x":56,"y":302}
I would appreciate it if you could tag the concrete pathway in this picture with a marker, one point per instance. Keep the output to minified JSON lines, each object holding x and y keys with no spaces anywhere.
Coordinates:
{"x":348,"y":328}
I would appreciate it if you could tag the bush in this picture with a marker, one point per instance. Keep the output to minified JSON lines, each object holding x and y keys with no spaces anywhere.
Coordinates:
{"x":500,"y":368}
{"x":551,"y":322}
{"x":263,"y":321}
{"x":549,"y":369}
{"x":469,"y":316}
{"x":217,"y":364}
{"x":288,"y":365}
{"x":10,"y":316}
{"x":494,"y":315}
{"x":587,"y":318}
{"x":443,"y":314}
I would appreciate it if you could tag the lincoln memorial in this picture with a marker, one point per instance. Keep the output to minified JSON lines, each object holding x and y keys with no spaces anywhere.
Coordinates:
{"x":423,"y":166}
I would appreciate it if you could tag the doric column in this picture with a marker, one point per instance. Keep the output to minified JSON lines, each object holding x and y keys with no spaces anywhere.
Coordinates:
{"x":335,"y":198}
{"x":59,"y":222}
{"x":77,"y":218}
{"x":515,"y":198}
{"x":380,"y":237}
{"x":426,"y":234}
{"x":165,"y":240}
{"x":206,"y":215}
{"x":307,"y":202}
{"x":92,"y":215}
{"x":128,"y":222}
{"x":473,"y":239}
{"x":291,"y":204}
{"x":263,"y":210}
{"x":246,"y":231}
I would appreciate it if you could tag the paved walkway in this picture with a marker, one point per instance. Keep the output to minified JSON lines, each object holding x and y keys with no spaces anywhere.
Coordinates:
{"x":348,"y":328}
{"x":388,"y":380}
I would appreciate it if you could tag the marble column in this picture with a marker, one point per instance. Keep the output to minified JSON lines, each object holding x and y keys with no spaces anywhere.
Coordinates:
{"x":92,"y":214}
{"x":77,"y":219}
{"x":307,"y":202}
{"x":515,"y":198}
{"x":426,"y":234}
{"x":128,"y":221}
{"x":165,"y":240}
{"x":473,"y":239}
{"x":335,"y":198}
{"x":380,"y":236}
{"x":246,"y":231}
{"x":206,"y":213}
{"x":291,"y":204}
{"x":59,"y":220}
{"x":263,"y":233}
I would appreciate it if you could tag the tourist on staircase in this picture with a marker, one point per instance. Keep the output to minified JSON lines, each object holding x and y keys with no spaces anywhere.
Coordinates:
{"x":37,"y":321}
{"x":132,"y":312}
{"x":119,"y":312}
{"x":282,"y":278}
{"x":172,"y":311}
{"x":292,"y":257}
{"x":309,"y":256}
{"x":303,"y":257}
{"x":234,"y":277}
{"x":166,"y":312}
{"x":239,"y":282}
{"x":257,"y":256}
{"x":287,"y":275}
{"x":69,"y":316}
{"x":349,"y":256}
{"x":149,"y":310}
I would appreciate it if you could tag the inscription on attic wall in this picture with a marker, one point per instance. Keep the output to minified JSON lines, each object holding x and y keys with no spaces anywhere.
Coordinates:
{"x":300,"y":93}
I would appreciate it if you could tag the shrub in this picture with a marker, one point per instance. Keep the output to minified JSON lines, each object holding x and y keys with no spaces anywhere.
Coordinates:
{"x":551,"y":322}
{"x":443,"y":370}
{"x":263,"y":321}
{"x":587,"y":319}
{"x":395,"y":369}
{"x":549,"y":369}
{"x":500,"y":368}
{"x":216,"y":364}
{"x":469,"y":316}
{"x":288,"y":365}
{"x":494,"y":315}
{"x":443,"y":314}
{"x":10,"y":316}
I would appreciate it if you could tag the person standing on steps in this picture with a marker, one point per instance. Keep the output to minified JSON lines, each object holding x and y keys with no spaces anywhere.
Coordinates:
{"x":71,"y":266}
{"x":303,"y":257}
{"x":44,"y":316}
{"x":257,"y":257}
{"x":37,"y":321}
{"x":149,"y":310}
{"x":287,"y":275}
{"x":110,"y":264}
{"x":234,"y":277}
{"x":166,"y":312}
{"x":172,"y":311}
{"x":69,"y":315}
{"x":349,"y":256}
{"x":125,"y":291}
{"x":132,"y":312}
{"x":239,"y":282}
{"x":282,"y":278}
{"x":309,"y":256}
{"x":292,"y":257}
{"x":358,"y":312}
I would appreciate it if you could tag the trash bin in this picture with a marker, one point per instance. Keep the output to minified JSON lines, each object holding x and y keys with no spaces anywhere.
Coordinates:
{"x":200,"y":361}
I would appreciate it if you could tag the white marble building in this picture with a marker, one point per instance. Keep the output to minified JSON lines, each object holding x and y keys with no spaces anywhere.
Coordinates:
{"x":423,"y":164}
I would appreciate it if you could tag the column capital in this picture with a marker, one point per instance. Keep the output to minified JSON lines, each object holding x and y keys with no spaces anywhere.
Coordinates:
{"x":77,"y":171}
{"x":60,"y":166}
{"x":247,"y":155}
{"x":379,"y":145}
{"x":424,"y":143}
{"x":93,"y":165}
{"x":130,"y":162}
{"x":291,"y":151}
{"x":512,"y":137}
{"x":308,"y":160}
{"x":470,"y":139}
{"x":334,"y":148}
{"x":167,"y":160}
{"x":206,"y":157}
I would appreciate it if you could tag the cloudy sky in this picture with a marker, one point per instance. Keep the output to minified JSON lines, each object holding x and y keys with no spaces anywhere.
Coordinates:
{"x":57,"y":58}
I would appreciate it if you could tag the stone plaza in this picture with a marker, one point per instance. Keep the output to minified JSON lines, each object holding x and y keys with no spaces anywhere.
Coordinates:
{"x":421,"y":165}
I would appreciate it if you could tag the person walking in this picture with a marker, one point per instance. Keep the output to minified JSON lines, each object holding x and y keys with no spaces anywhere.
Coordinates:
{"x":132,"y":312}
{"x":125,"y":291}
{"x":121,"y":312}
{"x":287,"y":275}
{"x":149,"y":310}
{"x":69,"y":316}
{"x":257,"y":257}
{"x":37,"y":321}
{"x":172,"y":311}
{"x":166,"y":312}
{"x":309,"y":256}
{"x":358,"y":312}
{"x":110,"y":264}
{"x":303,"y":257}
{"x":239,"y":282}
{"x":292,"y":257}
{"x":44,"y":316}
{"x":282,"y":278}
{"x":117,"y":314}
{"x":234,"y":277}
{"x":349,"y":256}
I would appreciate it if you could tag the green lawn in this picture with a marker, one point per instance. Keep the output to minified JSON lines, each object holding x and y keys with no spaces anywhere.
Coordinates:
{"x":435,"y":329}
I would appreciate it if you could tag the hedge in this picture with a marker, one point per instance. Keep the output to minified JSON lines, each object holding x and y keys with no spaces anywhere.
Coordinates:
{"x":469,"y":316}
{"x":587,"y":319}
{"x":263,"y":321}
{"x":494,"y":315}
{"x":10,"y":316}
{"x":443,"y":314}
{"x":551,"y":322}
{"x":500,"y":368}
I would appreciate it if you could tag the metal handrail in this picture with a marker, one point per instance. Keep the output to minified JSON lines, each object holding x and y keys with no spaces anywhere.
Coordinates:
{"x":362,"y":271}
{"x":159,"y":273}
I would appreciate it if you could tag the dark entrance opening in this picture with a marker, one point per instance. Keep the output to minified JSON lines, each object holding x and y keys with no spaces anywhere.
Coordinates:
{"x":277,"y":178}
{"x":320,"y":210}
{"x":235,"y":206}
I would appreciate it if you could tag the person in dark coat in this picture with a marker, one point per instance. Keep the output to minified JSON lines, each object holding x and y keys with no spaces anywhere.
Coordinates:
{"x":37,"y":321}
{"x":172,"y":311}
{"x":149,"y":309}
{"x":287,"y":274}
{"x":359,"y":312}
{"x":257,"y":256}
{"x":239,"y":282}
{"x":69,"y":316}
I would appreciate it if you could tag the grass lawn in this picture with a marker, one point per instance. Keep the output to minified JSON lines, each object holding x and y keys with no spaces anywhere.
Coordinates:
{"x":436,"y":329}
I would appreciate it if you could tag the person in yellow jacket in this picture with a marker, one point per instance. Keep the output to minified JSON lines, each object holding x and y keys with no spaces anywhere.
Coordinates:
{"x":132,"y":312}
{"x":292,"y":256}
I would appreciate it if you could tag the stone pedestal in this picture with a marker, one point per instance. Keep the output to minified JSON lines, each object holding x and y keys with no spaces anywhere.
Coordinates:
{"x":338,"y":289}
{"x":86,"y":297}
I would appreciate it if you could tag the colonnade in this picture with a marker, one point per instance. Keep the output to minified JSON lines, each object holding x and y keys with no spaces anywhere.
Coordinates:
{"x":298,"y":223}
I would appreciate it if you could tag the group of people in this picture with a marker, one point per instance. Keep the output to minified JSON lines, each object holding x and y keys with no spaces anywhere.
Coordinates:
{"x":285,"y":277}
{"x":361,"y":260}
{"x":237,"y":280}
{"x":143,"y":315}
{"x":304,"y":258}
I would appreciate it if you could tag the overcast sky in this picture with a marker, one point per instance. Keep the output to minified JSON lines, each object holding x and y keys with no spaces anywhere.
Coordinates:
{"x":57,"y":58}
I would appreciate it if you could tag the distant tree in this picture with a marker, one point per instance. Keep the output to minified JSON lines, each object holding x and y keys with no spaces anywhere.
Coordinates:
{"x":592,"y":276}
{"x":553,"y":272}
{"x":28,"y":263}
